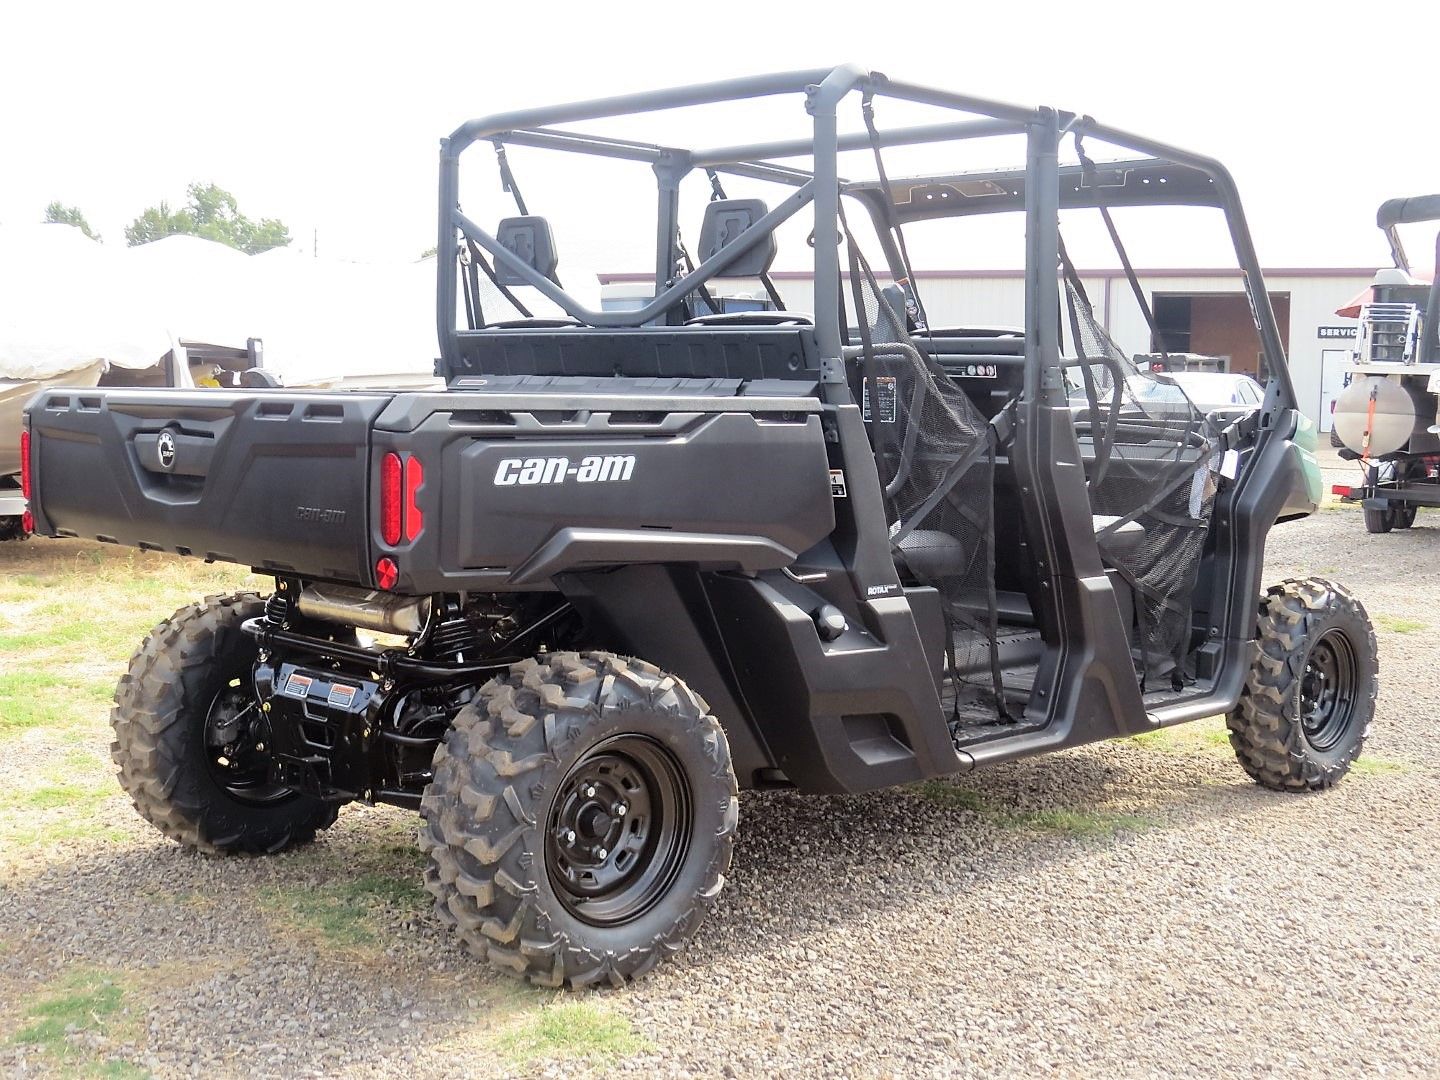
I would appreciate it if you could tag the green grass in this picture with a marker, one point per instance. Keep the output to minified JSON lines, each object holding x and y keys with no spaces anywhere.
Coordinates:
{"x":1205,"y":735}
{"x":1400,"y":624}
{"x":81,"y":1001}
{"x":347,"y":912}
{"x":31,"y":699}
{"x":1068,"y":821}
{"x":86,"y":1003}
{"x":55,"y":796}
{"x":1377,"y":766}
{"x":570,"y":1030}
{"x":47,"y":833}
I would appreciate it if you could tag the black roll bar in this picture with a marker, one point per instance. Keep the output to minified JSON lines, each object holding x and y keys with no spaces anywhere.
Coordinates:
{"x":823,"y":89}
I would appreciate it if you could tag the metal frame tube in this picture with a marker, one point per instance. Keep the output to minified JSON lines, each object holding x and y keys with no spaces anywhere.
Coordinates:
{"x":854,"y":140}
{"x":669,"y":171}
{"x":445,"y":269}
{"x":757,"y":170}
{"x":649,"y":101}
{"x":578,"y":143}
{"x":827,"y":238}
{"x":1042,"y":257}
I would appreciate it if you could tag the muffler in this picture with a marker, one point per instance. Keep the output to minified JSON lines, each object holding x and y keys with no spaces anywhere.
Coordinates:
{"x":382,"y":612}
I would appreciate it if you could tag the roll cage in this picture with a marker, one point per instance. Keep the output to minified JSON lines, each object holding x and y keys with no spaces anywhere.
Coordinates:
{"x":1161,"y":175}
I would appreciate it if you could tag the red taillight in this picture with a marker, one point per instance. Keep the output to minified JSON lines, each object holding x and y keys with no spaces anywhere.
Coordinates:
{"x":1343,"y":490}
{"x":25,"y":464}
{"x":27,"y":519}
{"x":400,"y":513}
{"x":414,"y":477}
{"x":390,"y":506}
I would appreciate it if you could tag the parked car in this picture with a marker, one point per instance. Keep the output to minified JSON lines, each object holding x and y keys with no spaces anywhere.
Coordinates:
{"x":1224,"y":396}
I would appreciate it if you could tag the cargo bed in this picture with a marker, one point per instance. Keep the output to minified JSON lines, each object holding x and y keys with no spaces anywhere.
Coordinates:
{"x":496,"y":490}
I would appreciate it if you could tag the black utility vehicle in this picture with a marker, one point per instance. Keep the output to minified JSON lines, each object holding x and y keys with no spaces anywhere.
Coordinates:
{"x":632,"y":561}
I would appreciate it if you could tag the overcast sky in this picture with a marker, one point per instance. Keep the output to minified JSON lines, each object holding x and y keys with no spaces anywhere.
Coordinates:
{"x":328,"y":116}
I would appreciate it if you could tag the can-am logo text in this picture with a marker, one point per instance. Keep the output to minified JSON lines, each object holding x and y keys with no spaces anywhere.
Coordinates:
{"x":596,"y":469}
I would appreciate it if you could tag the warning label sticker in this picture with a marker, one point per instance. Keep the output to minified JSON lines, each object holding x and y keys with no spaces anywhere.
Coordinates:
{"x":341,"y":696}
{"x":885,"y":391}
{"x":298,"y":685}
{"x":837,"y":483}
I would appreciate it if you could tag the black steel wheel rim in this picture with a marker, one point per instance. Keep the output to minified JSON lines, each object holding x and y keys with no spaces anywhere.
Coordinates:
{"x":1327,"y":690}
{"x":237,"y":749}
{"x":618,"y":830}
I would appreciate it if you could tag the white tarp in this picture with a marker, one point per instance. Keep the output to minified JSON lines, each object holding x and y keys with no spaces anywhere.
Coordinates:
{"x":66,"y":302}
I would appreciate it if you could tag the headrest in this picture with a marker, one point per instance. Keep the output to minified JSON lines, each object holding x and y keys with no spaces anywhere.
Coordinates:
{"x":725,"y":220}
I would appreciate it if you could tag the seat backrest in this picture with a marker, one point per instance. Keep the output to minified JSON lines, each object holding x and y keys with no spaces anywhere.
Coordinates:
{"x":725,"y":220}
{"x":530,"y":239}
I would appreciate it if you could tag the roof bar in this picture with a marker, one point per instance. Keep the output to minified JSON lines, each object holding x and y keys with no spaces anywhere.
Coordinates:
{"x":954,"y":131}
{"x":550,"y":139}
{"x":794,"y":82}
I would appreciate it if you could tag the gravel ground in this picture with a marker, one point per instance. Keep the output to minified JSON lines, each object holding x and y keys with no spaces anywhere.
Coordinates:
{"x":1133,"y":909}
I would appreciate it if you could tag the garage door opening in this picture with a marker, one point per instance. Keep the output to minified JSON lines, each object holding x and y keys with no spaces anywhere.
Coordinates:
{"x":1216,"y":324}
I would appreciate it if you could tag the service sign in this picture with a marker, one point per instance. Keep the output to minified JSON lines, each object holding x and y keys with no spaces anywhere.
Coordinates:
{"x":1336,"y":332}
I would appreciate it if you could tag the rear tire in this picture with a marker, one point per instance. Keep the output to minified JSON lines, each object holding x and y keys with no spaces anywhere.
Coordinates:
{"x":1404,"y":516}
{"x":1379,"y":521}
{"x":1306,"y":708}
{"x":189,"y":681}
{"x":580,"y":820}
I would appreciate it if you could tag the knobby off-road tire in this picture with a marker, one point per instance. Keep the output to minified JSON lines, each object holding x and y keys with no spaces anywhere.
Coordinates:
{"x":192,"y":666}
{"x":1306,"y":708}
{"x":580,"y":820}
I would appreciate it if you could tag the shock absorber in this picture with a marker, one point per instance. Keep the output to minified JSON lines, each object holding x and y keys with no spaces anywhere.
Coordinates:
{"x":454,"y":636}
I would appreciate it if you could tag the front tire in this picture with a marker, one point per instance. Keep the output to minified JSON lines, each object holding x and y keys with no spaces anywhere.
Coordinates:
{"x":1306,"y":708}
{"x":580,"y":819}
{"x":190,"y":742}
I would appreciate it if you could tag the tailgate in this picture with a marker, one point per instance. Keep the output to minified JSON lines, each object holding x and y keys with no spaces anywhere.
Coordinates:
{"x":270,"y":479}
{"x":521,"y":487}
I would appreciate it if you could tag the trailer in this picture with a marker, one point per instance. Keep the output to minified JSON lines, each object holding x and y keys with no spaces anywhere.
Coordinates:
{"x":1386,"y":419}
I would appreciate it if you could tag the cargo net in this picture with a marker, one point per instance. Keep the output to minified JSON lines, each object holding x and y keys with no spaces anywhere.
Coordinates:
{"x":935,"y":454}
{"x":1155,"y":464}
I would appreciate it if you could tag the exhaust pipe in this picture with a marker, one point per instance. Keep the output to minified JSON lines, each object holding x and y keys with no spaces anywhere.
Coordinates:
{"x":384,"y":613}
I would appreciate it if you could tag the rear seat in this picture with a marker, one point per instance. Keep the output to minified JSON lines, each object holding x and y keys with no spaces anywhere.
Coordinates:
{"x":929,"y":554}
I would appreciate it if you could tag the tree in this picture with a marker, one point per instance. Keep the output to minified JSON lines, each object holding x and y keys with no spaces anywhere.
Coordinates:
{"x":211,"y":213}
{"x":59,"y":214}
